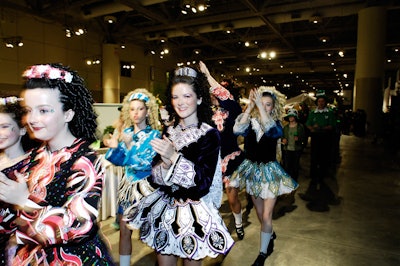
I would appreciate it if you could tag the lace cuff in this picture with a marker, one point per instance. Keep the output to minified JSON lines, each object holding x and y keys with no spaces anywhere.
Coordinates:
{"x":240,"y":128}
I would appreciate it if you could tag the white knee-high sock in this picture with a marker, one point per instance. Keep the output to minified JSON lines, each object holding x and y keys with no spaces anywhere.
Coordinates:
{"x":264,"y":241}
{"x":124,"y":260}
{"x":238,"y":218}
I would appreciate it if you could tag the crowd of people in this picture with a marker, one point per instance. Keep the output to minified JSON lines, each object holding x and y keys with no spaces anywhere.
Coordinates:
{"x":175,"y":170}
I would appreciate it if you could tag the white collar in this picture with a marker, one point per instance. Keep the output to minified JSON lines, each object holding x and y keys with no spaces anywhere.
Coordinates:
{"x":321,"y":110}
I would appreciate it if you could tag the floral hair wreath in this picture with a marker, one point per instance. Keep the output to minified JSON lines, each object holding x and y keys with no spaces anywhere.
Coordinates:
{"x":47,"y":71}
{"x":11,"y":99}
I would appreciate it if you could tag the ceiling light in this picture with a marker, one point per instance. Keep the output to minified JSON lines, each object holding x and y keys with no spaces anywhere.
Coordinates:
{"x":263,"y":55}
{"x":324,"y":39}
{"x":15,"y":41}
{"x":229,"y":28}
{"x":110,"y":19}
{"x":316,"y":18}
{"x":193,"y":6}
{"x":70,"y":32}
{"x":91,"y":61}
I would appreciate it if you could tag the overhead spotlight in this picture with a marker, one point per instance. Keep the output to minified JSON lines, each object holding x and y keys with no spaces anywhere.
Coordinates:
{"x":197,"y":51}
{"x":247,"y":44}
{"x":272,"y":54}
{"x":229,"y":28}
{"x":263,"y":55}
{"x":110,"y":19}
{"x":324,"y":39}
{"x":91,"y":61}
{"x":70,"y":32}
{"x":341,"y":53}
{"x":79,"y":31}
{"x":193,"y":6}
{"x":163,"y":38}
{"x":316,"y":18}
{"x":15,"y":41}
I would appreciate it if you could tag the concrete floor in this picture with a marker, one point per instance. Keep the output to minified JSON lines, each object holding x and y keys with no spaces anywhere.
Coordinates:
{"x":363,"y":230}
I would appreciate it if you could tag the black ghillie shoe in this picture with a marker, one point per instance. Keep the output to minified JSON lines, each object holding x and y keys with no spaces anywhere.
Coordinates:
{"x":240,"y":232}
{"x":260,"y":259}
{"x":270,"y":248}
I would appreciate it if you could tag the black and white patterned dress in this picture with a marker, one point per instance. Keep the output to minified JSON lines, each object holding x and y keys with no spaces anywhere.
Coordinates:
{"x":181,"y":216}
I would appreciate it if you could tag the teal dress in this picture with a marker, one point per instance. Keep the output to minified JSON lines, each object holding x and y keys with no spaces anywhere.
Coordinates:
{"x":136,"y":159}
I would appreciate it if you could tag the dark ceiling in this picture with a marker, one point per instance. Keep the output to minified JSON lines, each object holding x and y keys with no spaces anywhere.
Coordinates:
{"x":285,"y":26}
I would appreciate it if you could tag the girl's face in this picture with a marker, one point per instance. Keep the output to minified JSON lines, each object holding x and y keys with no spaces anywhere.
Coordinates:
{"x":185,"y":101}
{"x":137,"y":112}
{"x":10,"y":133}
{"x":45,"y":117}
{"x":268,"y":103}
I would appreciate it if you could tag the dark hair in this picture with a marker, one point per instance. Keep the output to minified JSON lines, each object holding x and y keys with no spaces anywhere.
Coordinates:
{"x":73,"y":95}
{"x":15,"y":111}
{"x":201,"y":87}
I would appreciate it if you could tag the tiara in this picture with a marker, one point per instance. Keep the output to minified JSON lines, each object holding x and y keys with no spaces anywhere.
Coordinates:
{"x":139,"y":96}
{"x":11,"y":99}
{"x":186,"y":71}
{"x":47,"y":71}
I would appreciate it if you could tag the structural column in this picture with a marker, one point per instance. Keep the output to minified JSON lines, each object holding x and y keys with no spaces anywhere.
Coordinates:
{"x":111,"y":73}
{"x":369,"y":73}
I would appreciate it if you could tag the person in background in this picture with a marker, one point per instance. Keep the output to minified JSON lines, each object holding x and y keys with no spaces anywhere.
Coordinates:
{"x":265,"y":179}
{"x":180,"y":219}
{"x":14,"y":142}
{"x":139,"y":120}
{"x":226,"y":108}
{"x":59,"y":184}
{"x":321,"y":122}
{"x":293,"y":143}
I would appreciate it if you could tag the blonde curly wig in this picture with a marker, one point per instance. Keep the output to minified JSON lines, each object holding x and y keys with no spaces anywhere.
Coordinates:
{"x":279,"y":99}
{"x":152,"y":107}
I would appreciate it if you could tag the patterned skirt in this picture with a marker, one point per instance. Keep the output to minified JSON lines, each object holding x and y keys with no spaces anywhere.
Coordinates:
{"x":263,"y":180}
{"x":131,"y":192}
{"x":189,"y":229}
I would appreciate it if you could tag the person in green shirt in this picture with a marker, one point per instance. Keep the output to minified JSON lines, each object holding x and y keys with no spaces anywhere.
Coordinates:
{"x":321,"y":122}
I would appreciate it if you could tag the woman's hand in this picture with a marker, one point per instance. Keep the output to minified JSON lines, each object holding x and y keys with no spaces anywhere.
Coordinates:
{"x":203,"y":68}
{"x":166,"y":149}
{"x":14,"y":192}
{"x":251,"y":104}
{"x":111,"y":141}
{"x":257,"y":99}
